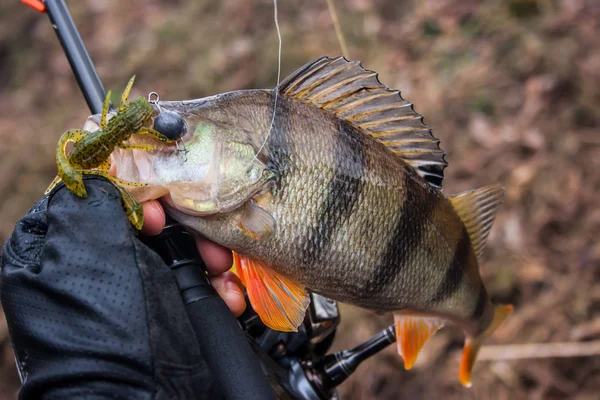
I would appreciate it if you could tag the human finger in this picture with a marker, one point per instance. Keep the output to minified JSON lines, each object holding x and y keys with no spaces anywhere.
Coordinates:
{"x":154,"y":218}
{"x":229,"y":287}
{"x":217,"y":258}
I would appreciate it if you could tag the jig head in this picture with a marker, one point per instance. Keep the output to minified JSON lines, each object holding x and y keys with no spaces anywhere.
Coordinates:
{"x":170,"y":124}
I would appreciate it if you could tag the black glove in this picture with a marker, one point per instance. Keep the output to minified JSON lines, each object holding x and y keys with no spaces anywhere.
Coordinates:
{"x":92,"y":312}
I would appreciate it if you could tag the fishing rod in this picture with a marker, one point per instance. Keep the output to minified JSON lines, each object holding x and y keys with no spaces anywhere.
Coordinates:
{"x":296,"y":364}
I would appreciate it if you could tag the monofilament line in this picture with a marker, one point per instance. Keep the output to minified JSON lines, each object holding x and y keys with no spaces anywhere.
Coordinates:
{"x":276,"y":87}
{"x":279,"y":38}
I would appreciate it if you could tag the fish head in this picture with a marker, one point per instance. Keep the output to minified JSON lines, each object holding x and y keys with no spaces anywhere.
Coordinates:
{"x":212,"y":168}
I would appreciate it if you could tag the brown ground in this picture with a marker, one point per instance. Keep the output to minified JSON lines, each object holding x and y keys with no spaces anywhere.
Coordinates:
{"x":511,"y":87}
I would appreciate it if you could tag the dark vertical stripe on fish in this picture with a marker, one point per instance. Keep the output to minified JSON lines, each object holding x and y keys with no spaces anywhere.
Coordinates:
{"x":455,"y":270}
{"x":482,"y":301}
{"x":410,"y":229}
{"x":278,"y":145}
{"x":342,"y":192}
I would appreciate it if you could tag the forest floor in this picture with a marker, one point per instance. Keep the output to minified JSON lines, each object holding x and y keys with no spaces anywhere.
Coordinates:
{"x":511,"y":87}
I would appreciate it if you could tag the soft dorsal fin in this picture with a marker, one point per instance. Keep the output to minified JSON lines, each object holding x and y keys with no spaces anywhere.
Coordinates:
{"x":355,"y":94}
{"x":477,"y":210}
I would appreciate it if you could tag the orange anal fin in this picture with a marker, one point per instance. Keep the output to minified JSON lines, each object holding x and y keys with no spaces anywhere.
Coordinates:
{"x":472,"y":345}
{"x":412,"y":331}
{"x":279,"y":302}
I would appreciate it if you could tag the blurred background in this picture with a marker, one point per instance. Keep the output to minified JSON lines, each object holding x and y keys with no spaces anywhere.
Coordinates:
{"x":511,"y":87}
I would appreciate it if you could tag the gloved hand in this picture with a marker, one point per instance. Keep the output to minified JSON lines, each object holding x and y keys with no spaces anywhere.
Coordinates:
{"x":94,"y":313}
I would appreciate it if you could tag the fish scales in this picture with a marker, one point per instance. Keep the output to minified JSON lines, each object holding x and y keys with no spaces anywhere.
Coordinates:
{"x":331,"y":184}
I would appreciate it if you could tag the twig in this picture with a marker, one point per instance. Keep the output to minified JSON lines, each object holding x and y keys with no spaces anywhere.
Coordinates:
{"x":540,"y":350}
{"x":338,"y":28}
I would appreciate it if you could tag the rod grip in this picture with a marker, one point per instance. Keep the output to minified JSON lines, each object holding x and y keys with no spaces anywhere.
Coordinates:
{"x":225,"y":347}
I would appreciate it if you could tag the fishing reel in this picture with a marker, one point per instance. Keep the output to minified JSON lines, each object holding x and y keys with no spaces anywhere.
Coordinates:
{"x":297,"y":364}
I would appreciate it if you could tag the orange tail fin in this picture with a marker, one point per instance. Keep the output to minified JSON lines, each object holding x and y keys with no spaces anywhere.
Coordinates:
{"x":472,"y":345}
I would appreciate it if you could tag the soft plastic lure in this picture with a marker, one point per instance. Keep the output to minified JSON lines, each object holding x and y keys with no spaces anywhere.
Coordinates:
{"x":91,"y":151}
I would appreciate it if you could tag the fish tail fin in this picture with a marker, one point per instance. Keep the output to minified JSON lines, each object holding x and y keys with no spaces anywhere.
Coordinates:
{"x":473,"y":344}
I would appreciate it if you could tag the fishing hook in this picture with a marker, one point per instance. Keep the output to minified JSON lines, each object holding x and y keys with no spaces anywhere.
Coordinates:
{"x":185,"y":151}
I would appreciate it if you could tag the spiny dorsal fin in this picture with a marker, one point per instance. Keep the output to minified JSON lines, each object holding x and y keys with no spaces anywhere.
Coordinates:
{"x":477,"y":210}
{"x":355,"y":94}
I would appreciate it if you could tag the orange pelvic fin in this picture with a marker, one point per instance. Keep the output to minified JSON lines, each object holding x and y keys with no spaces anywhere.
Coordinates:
{"x":412,"y":331}
{"x":472,"y":345}
{"x":279,"y":302}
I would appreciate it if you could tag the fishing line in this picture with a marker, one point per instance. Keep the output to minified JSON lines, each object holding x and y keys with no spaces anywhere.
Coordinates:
{"x":276,"y":87}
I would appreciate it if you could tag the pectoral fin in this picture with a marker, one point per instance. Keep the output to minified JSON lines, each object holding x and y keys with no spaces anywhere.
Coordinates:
{"x":256,"y":222}
{"x":412,"y":331}
{"x":279,"y":302}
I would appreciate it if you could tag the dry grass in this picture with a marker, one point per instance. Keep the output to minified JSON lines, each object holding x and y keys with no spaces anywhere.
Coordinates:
{"x":509,"y":86}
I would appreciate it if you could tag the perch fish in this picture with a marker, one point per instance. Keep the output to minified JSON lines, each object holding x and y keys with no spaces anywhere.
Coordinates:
{"x":329,"y":183}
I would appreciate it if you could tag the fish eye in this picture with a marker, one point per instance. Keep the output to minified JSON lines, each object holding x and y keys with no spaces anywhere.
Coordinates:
{"x":254,"y":174}
{"x":170,"y":124}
